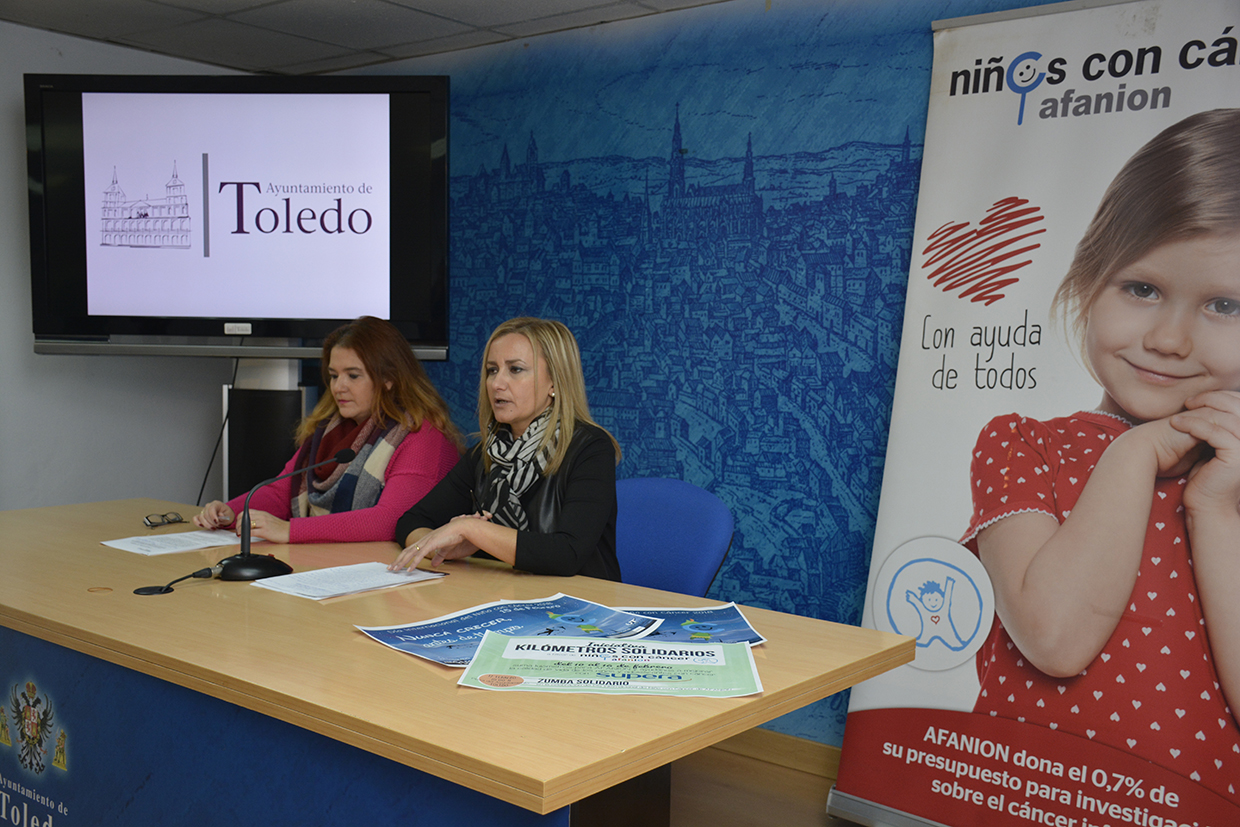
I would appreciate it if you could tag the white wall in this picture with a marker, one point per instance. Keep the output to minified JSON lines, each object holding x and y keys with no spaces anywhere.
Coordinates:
{"x":86,"y":428}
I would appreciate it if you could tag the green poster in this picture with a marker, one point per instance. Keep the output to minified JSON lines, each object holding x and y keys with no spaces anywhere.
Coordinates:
{"x":612,"y":667}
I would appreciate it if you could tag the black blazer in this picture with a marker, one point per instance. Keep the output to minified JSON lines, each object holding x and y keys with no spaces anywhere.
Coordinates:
{"x":572,"y":514}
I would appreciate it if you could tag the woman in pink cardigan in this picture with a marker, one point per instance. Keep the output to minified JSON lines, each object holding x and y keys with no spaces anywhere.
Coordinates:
{"x":381,"y":404}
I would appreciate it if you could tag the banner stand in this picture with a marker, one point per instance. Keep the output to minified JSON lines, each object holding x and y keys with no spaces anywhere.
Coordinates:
{"x":869,"y":814}
{"x":1063,"y":151}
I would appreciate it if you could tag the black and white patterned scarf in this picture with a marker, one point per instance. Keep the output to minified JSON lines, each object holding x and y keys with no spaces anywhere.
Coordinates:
{"x":516,"y":464}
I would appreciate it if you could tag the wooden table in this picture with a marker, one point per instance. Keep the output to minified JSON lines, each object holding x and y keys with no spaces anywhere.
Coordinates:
{"x":303,"y":662}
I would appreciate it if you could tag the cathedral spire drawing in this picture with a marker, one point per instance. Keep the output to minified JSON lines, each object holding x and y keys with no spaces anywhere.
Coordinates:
{"x":748,"y":178}
{"x":724,"y":211}
{"x":676,"y":165}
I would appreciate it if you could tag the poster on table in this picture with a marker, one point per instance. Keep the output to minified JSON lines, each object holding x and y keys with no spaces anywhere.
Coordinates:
{"x":702,"y":624}
{"x":453,"y":639}
{"x":693,"y":669}
{"x":999,"y":421}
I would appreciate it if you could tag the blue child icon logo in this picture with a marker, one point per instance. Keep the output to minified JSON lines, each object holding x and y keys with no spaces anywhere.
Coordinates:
{"x":923,"y":601}
{"x":933,"y":604}
{"x":933,"y":589}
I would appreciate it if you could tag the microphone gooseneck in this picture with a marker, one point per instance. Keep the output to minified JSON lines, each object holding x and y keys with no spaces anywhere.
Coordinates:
{"x":246,"y":566}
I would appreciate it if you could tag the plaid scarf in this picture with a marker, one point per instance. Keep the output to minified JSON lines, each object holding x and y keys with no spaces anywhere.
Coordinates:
{"x":349,"y":487}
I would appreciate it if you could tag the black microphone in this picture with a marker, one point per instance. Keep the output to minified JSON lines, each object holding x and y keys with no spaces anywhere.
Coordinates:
{"x":246,"y":566}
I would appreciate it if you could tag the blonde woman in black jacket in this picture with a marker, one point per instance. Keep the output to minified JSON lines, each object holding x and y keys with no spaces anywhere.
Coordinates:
{"x":539,"y":491}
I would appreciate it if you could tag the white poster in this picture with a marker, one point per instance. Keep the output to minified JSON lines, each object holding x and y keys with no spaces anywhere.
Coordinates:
{"x":1077,"y":639}
{"x":211,"y":204}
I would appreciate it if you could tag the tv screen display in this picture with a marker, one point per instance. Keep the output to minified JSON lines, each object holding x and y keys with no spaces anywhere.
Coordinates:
{"x":198,"y":207}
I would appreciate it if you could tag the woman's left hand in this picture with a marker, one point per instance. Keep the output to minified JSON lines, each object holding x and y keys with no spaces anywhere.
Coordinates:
{"x":266,"y":527}
{"x":448,"y":542}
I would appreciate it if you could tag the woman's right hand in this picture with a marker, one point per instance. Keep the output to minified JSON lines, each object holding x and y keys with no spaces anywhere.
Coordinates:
{"x":215,"y":514}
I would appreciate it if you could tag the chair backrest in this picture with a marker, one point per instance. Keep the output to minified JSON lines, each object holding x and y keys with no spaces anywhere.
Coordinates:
{"x":670,"y":534}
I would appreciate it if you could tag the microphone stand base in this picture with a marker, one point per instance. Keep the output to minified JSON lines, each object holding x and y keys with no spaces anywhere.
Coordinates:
{"x":252,"y":567}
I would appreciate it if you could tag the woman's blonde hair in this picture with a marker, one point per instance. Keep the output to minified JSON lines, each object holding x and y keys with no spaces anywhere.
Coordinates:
{"x":1185,"y":182}
{"x":554,"y":344}
{"x":388,"y":359}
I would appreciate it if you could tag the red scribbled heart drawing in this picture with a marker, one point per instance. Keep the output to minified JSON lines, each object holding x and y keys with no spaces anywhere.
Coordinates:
{"x":934,"y":618}
{"x":979,"y":261}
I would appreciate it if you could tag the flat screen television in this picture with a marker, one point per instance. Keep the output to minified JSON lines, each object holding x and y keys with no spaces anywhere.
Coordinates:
{"x":235,"y":215}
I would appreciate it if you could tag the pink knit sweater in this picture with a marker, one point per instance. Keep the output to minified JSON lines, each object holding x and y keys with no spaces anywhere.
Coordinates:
{"x":421,"y":460}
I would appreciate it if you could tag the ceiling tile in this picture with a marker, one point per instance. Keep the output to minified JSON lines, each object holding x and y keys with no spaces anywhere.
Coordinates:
{"x":352,"y":60}
{"x":97,"y":20}
{"x":574,"y":20}
{"x":358,"y":24}
{"x":310,"y":36}
{"x":492,"y":13}
{"x":467,"y":40}
{"x":220,"y":7}
{"x":227,"y":43}
{"x":671,"y":5}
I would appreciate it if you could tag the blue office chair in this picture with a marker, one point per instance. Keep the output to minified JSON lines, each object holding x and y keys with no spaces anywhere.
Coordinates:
{"x":670,"y":534}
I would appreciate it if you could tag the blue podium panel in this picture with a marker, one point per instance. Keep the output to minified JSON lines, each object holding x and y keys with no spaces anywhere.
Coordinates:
{"x":86,"y":742}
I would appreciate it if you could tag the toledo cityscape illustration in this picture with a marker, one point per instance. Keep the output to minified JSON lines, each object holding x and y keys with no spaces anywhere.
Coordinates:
{"x":728,"y":233}
{"x":748,"y":347}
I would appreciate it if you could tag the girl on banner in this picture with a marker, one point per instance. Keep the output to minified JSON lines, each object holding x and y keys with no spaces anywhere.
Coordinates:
{"x":381,"y":404}
{"x":539,"y":491}
{"x":1112,"y":536}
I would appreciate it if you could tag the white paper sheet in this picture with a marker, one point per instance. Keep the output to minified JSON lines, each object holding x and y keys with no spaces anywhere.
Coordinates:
{"x":341,"y":580}
{"x":152,"y":544}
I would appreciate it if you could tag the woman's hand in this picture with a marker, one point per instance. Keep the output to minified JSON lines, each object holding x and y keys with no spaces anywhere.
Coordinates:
{"x":448,"y":542}
{"x":269,"y":528}
{"x":214,"y":514}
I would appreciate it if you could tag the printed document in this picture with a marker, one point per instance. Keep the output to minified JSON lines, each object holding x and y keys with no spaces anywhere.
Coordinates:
{"x":612,"y":667}
{"x":341,"y":580}
{"x":451,"y":640}
{"x":152,"y":544}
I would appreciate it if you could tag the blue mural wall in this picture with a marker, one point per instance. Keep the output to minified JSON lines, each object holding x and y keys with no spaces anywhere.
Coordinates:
{"x":719,"y":202}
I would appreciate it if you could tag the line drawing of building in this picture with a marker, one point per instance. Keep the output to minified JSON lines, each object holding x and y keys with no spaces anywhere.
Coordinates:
{"x":694,"y":212}
{"x":146,"y":222}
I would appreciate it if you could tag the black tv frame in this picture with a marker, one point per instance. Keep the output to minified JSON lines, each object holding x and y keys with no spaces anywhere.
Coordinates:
{"x":418,"y":280}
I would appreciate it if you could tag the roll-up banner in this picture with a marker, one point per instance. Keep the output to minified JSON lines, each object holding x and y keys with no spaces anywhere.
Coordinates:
{"x":1059,"y":523}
